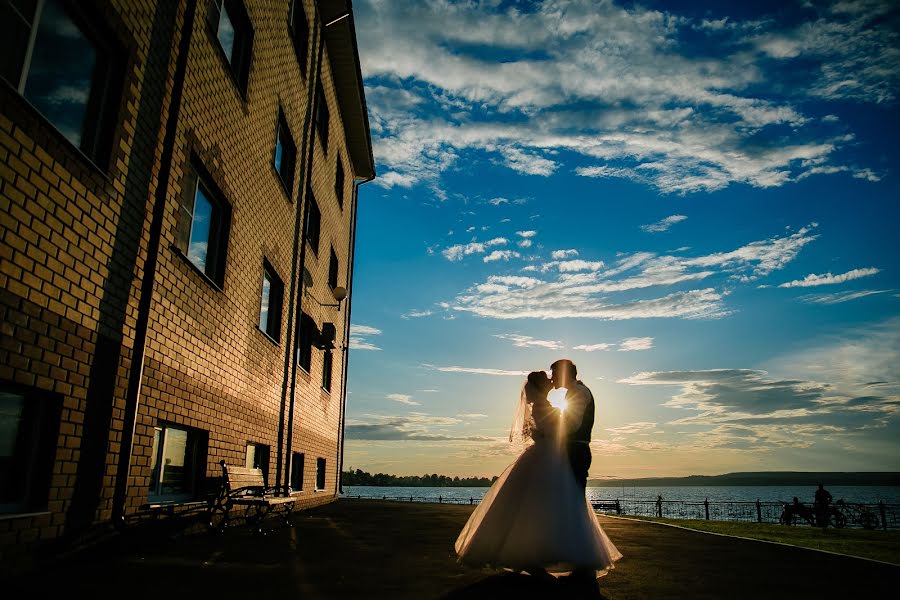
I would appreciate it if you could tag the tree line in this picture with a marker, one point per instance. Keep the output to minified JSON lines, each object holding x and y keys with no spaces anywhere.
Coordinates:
{"x":360,"y":477}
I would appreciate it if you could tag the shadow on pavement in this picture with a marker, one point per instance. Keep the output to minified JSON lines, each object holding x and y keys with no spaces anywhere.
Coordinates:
{"x":526,"y":587}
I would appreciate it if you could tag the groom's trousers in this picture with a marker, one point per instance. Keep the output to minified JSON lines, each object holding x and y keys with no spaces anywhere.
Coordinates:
{"x":580,"y":460}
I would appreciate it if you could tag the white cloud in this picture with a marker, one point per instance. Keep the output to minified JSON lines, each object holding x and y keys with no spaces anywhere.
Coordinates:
{"x":525,"y":244}
{"x":664,"y":224}
{"x":414,"y":426}
{"x":501,"y":255}
{"x":631,"y":428}
{"x":526,"y":341}
{"x":594,"y":347}
{"x":478,"y":371}
{"x":359,"y":337}
{"x":829,"y":279}
{"x":839,"y":297}
{"x":636,"y":343}
{"x":526,"y":234}
{"x":416,"y":314}
{"x":472,"y":416}
{"x":563,"y":254}
{"x":458,"y":251}
{"x":498,"y":201}
{"x":616,"y":85}
{"x":403,"y":399}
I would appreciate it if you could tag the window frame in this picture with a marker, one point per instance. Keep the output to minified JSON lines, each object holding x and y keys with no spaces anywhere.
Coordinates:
{"x":297,"y":475}
{"x":101,"y":110}
{"x":307,"y":331}
{"x":299,"y":40}
{"x":339,"y":181}
{"x":334,"y":269}
{"x":321,"y":466}
{"x":275,"y":303}
{"x":312,"y":223}
{"x":194,"y":458}
{"x":323,"y":117}
{"x":288,"y":153}
{"x":261,"y":458}
{"x":34,"y":451}
{"x":198,"y":178}
{"x":238,"y":66}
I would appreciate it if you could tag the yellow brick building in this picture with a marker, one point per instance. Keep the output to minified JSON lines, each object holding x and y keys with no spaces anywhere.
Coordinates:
{"x":179,"y":184}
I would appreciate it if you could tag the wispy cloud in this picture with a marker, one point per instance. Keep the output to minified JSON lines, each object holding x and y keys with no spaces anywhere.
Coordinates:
{"x":839,"y":297}
{"x":812,"y":279}
{"x":415,"y":426}
{"x":563,"y":254}
{"x":472,"y":416}
{"x":477,"y":371}
{"x":594,"y":347}
{"x":636,"y":343}
{"x":416,"y":314}
{"x":403,"y":399}
{"x":526,"y":341}
{"x":359,"y":337}
{"x":664,"y":224}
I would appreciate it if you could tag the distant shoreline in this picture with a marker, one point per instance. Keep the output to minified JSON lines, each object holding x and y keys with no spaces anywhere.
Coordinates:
{"x":749,"y":479}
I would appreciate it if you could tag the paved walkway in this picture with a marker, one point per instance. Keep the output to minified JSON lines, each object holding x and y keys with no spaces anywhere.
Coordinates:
{"x":374,"y":549}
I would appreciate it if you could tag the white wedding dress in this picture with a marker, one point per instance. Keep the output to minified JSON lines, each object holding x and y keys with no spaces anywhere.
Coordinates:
{"x":536,"y":514}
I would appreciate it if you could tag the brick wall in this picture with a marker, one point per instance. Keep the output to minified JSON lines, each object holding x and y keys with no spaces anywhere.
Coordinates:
{"x":75,"y":241}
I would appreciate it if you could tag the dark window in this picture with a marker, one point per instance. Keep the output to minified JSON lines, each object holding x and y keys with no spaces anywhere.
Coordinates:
{"x":65,"y":63}
{"x":29,"y":425}
{"x":297,"y":465}
{"x":300,"y":33}
{"x":176,"y":463}
{"x":320,"y":473}
{"x":322,"y":117}
{"x":203,"y":225}
{"x":339,"y":182}
{"x":333,"y":270}
{"x":285,"y":153}
{"x":313,"y":223}
{"x":229,"y":23}
{"x":327,"y":365}
{"x":258,"y":458}
{"x":270,"y":302}
{"x":306,"y":337}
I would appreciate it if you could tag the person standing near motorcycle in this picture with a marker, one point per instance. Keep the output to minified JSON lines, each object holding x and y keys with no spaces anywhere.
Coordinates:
{"x":822,"y":503}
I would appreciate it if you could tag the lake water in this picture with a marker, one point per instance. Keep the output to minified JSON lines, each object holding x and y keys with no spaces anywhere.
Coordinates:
{"x":863,"y":494}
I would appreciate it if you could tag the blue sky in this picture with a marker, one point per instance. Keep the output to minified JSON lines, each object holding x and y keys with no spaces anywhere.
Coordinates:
{"x":696,"y":204}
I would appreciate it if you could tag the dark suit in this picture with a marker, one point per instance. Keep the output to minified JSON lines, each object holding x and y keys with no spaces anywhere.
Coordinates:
{"x":579,"y":416}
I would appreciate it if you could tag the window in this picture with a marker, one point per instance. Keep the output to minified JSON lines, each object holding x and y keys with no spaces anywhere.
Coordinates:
{"x":203,"y":226}
{"x":29,"y":425}
{"x":176,"y":463}
{"x":306,"y":337}
{"x":313,"y":223}
{"x":333,"y":267}
{"x":270,"y":303}
{"x":285,"y":154}
{"x":229,"y":23}
{"x":327,"y":362}
{"x":320,"y":474}
{"x":65,"y":63}
{"x":339,"y":182}
{"x":258,"y":458}
{"x":299,"y":27}
{"x":297,"y":464}
{"x":322,"y":117}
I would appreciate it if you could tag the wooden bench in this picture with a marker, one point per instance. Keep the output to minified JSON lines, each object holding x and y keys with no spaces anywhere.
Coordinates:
{"x":607,"y":506}
{"x":247,"y":487}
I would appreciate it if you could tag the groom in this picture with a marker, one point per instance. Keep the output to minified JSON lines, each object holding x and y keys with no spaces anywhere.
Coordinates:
{"x":578,"y":417}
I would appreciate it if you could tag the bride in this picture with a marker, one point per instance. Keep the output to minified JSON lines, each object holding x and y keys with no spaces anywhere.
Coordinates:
{"x":536,"y":516}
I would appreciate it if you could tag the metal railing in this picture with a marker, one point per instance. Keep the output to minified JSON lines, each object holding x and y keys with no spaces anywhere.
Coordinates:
{"x":853,"y":514}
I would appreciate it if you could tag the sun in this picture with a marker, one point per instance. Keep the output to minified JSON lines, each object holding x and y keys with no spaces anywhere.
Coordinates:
{"x":557,"y":398}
